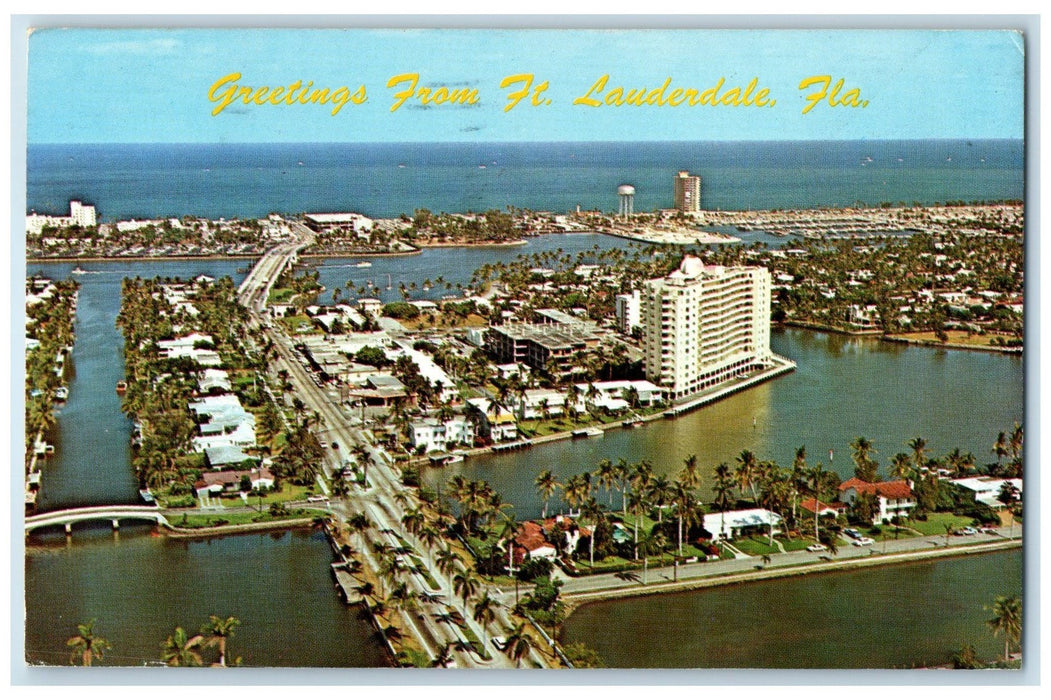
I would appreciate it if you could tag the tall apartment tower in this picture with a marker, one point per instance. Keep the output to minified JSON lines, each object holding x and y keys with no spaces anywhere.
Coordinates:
{"x":704,"y":325}
{"x":687,"y":192}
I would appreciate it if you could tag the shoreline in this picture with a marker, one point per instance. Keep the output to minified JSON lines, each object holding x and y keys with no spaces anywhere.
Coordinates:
{"x":902,"y":340}
{"x":574,"y":601}
{"x":176,"y":532}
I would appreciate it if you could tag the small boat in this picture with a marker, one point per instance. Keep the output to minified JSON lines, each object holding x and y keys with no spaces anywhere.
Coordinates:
{"x":481,"y":167}
{"x":77,"y":271}
{"x":61,"y":393}
{"x":364,"y":263}
{"x":454,"y":458}
{"x":122,"y":386}
{"x":147,"y":496}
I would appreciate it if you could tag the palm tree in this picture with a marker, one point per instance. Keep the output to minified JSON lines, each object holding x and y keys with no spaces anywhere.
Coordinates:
{"x":485,"y":615}
{"x":607,"y":478}
{"x":546,"y":485}
{"x":181,"y":650}
{"x":447,"y":560}
{"x":747,"y":464}
{"x":1007,"y":620}
{"x":685,"y":507}
{"x":690,"y":476}
{"x":216,"y":631}
{"x":1001,"y":447}
{"x":659,"y":493}
{"x":900,"y":466}
{"x":519,"y":643}
{"x":865,"y":468}
{"x":465,"y":584}
{"x":86,"y":645}
{"x":918,"y":446}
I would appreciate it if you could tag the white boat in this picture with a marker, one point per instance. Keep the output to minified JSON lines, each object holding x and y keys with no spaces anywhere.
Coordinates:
{"x":587,"y":432}
{"x":77,"y":271}
{"x":364,"y":263}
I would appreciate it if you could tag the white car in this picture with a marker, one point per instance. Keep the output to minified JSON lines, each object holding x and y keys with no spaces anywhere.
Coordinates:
{"x":816,"y":547}
{"x":500,"y":643}
{"x":863,"y":541}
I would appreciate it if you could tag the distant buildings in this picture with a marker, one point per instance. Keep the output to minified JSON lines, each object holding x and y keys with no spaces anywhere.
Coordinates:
{"x":704,"y":325}
{"x":687,"y":192}
{"x":80,"y":214}
{"x":343,"y":221}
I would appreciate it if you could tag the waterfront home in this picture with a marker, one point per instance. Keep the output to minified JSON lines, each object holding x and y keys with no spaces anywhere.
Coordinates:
{"x":986,"y":489}
{"x":437,"y":436}
{"x":494,"y":423}
{"x":894,"y":498}
{"x":567,"y":528}
{"x":370,"y":306}
{"x":213,"y":483}
{"x":529,"y":542}
{"x":540,"y":403}
{"x":731,"y":524}
{"x":613,"y":395}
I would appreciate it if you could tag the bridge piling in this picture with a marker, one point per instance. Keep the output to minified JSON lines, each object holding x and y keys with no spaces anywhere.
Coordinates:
{"x":116,"y":524}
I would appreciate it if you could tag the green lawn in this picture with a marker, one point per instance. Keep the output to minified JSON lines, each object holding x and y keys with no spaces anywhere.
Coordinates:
{"x":755,"y":546}
{"x":936,"y":522}
{"x":794,"y":545}
{"x":218,"y":519}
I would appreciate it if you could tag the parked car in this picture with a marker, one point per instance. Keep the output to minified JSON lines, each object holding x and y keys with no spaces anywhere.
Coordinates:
{"x":852,"y":533}
{"x":816,"y":547}
{"x":967,"y":531}
{"x":500,"y":643}
{"x":863,"y":542}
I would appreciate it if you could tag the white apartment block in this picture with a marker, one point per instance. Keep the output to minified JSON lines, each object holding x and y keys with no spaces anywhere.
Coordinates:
{"x":80,"y":214}
{"x":437,"y":436}
{"x":628,"y":306}
{"x":704,"y":325}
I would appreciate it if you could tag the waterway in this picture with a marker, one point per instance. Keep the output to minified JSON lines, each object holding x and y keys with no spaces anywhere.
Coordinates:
{"x":900,"y":616}
{"x":139,"y":587}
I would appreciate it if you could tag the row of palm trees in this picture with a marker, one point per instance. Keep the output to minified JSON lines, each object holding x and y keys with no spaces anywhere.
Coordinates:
{"x":51,"y":323}
{"x":179,"y":649}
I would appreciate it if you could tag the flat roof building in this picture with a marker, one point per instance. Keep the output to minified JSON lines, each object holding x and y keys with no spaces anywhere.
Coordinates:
{"x":687,"y":191}
{"x":704,"y":325}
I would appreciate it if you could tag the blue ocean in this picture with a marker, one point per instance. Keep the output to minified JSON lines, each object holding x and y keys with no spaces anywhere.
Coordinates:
{"x":384,"y":180}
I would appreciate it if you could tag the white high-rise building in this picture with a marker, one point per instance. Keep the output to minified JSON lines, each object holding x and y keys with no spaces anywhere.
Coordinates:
{"x":82,"y":214}
{"x":704,"y":325}
{"x":687,"y":192}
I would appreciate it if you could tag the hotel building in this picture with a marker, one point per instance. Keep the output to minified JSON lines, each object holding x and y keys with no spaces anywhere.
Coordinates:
{"x":704,"y":325}
{"x":687,"y":192}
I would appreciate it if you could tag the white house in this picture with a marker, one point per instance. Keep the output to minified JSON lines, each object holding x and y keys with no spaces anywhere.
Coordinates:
{"x":228,"y":423}
{"x":732,"y":523}
{"x":436,"y":436}
{"x":532,"y":404}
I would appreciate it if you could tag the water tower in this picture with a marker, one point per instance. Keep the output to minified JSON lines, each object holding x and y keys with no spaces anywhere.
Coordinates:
{"x":626,"y":193}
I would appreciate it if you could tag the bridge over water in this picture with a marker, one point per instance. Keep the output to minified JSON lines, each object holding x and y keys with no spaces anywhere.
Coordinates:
{"x":114,"y":514}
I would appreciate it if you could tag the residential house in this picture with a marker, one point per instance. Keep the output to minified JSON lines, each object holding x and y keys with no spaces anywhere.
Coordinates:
{"x":894,"y":498}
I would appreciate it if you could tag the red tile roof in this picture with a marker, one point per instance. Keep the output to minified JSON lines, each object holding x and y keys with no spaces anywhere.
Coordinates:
{"x":808,"y":505}
{"x":888,"y":489}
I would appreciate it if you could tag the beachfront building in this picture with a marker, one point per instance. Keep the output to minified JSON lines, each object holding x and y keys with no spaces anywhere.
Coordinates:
{"x":617,"y":395}
{"x":893,"y":498}
{"x":80,"y":214}
{"x":687,"y":192}
{"x":628,"y":306}
{"x":196,"y":347}
{"x":704,"y":325}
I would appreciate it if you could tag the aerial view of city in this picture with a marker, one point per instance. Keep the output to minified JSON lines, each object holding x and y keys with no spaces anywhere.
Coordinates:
{"x":689,"y":357}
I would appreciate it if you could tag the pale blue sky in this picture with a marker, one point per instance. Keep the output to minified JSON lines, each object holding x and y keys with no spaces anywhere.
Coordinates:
{"x":139,"y":85}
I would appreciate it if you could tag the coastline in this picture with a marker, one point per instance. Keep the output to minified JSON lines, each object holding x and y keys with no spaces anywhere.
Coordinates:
{"x":176,"y":532}
{"x":879,"y":335}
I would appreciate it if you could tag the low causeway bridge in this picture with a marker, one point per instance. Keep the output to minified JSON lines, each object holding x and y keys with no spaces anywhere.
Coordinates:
{"x":114,"y":514}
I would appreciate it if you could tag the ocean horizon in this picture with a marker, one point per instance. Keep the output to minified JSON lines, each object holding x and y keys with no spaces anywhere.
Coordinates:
{"x":383,"y":180}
